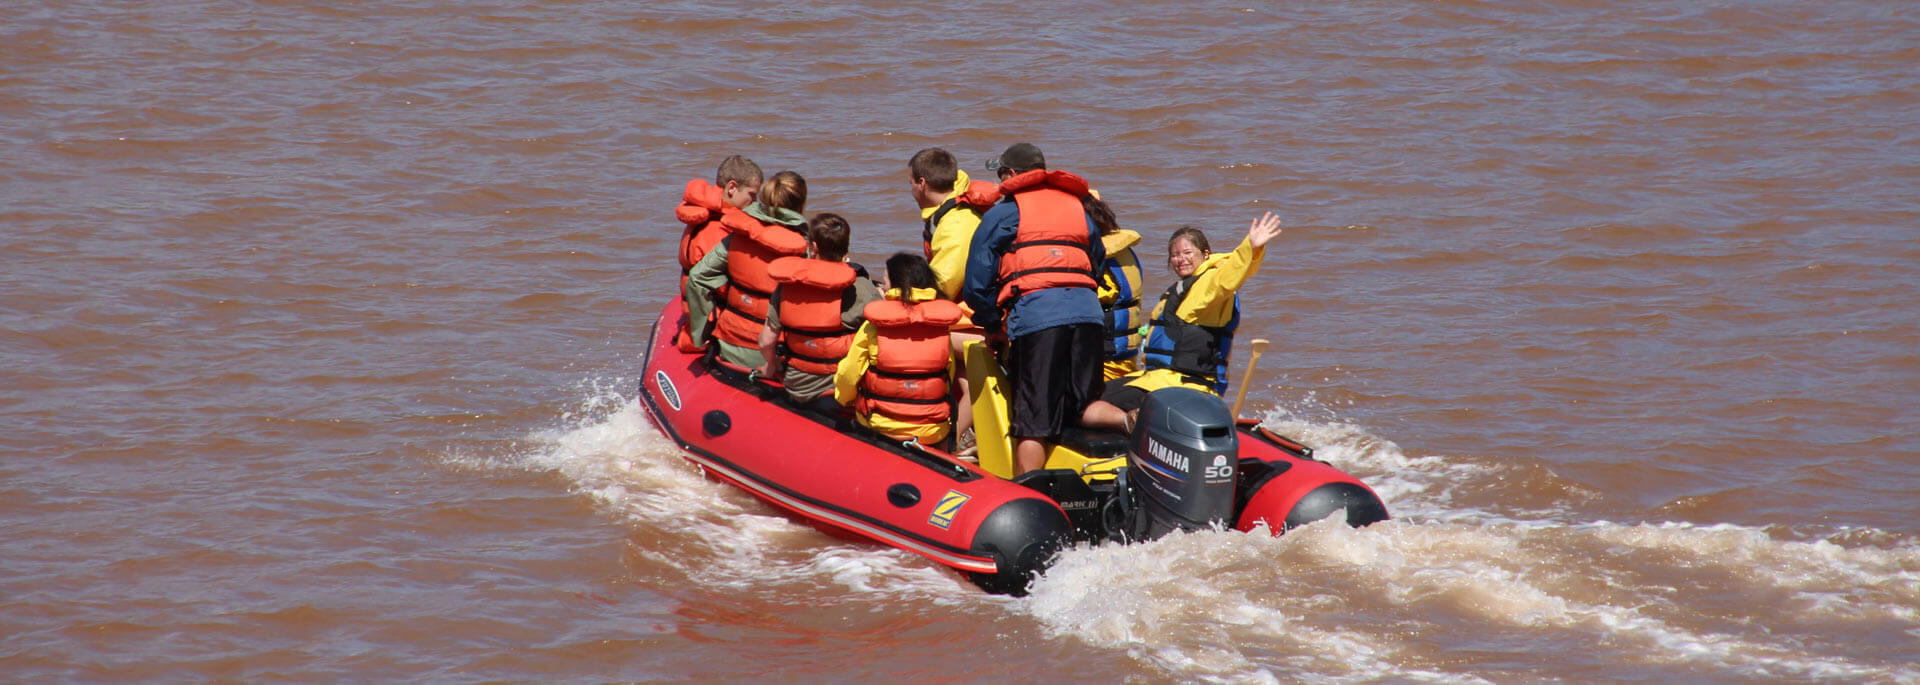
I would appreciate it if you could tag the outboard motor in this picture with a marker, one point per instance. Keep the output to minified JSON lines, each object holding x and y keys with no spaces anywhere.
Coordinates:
{"x":1185,"y":456}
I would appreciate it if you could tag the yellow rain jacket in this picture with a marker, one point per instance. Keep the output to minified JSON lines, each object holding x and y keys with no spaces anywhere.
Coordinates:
{"x":1209,"y":302}
{"x":951,"y":239}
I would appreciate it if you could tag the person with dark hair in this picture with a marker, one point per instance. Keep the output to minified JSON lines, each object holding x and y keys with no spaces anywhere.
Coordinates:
{"x":1192,"y":326}
{"x":727,"y":290}
{"x":1032,"y":277}
{"x":734,"y":186}
{"x":950,"y":207}
{"x":817,"y":305}
{"x":898,"y":372}
{"x":1120,"y":283}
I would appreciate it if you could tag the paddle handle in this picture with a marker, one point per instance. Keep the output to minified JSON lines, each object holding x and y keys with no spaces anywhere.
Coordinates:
{"x":1258,"y":346}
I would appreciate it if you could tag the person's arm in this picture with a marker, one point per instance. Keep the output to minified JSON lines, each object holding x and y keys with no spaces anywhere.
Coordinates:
{"x":1107,"y":290}
{"x":996,"y":232}
{"x":846,"y":377}
{"x":864,"y":292}
{"x":707,"y":276}
{"x":1210,"y":302}
{"x":1096,"y":248}
{"x":770,"y":336}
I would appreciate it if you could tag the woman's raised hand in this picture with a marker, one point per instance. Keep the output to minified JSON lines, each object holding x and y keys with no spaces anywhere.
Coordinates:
{"x":1265,"y":228}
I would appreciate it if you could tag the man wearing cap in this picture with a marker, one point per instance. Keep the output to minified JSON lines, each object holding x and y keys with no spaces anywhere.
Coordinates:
{"x":1031,"y":278}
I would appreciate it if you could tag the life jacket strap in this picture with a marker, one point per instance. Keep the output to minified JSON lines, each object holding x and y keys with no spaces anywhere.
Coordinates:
{"x":788,"y":351}
{"x":727,"y":304}
{"x":939,"y":213}
{"x":905,"y":400}
{"x":1047,"y":270}
{"x":906,"y":375}
{"x":1046,"y":241}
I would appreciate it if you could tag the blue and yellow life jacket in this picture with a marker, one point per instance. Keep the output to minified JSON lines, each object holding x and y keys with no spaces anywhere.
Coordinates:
{"x":1200,"y":352}
{"x":1122,"y":274}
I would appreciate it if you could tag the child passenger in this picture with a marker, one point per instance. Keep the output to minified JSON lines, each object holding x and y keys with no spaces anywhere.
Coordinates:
{"x":734,"y":186}
{"x":726,"y":292}
{"x":898,"y":372}
{"x":818,"y":304}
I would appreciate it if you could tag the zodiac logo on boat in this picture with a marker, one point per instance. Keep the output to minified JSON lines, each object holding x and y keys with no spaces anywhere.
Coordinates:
{"x":949,"y":505}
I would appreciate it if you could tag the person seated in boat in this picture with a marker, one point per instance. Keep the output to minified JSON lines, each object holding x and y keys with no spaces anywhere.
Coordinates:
{"x":898,"y":370}
{"x":950,"y":207}
{"x":727,"y":290}
{"x":734,"y":186}
{"x":1192,"y":327}
{"x":1120,"y":285}
{"x":1035,"y":259}
{"x":819,"y":303}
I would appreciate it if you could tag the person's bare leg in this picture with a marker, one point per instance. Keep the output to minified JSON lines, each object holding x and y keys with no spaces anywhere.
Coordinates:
{"x":963,"y":414}
{"x":1104,"y":415}
{"x":1028,"y":455}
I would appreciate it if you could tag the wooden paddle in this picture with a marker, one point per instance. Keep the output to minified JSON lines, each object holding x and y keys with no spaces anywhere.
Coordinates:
{"x":1259,"y":345}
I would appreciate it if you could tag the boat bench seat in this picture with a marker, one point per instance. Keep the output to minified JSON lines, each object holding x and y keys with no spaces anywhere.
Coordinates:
{"x":1097,"y":444}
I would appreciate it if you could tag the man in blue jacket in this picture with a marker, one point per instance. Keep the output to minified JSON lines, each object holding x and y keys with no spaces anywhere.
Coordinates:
{"x":1031,"y":279}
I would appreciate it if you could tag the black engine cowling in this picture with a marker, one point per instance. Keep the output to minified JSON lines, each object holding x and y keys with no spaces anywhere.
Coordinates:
{"x":1184,"y":466}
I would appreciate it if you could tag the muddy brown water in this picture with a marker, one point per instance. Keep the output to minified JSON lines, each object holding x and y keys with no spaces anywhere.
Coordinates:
{"x":321,"y":328}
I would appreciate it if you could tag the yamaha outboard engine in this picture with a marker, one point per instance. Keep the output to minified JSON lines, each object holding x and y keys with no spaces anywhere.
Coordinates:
{"x":1186,"y":453}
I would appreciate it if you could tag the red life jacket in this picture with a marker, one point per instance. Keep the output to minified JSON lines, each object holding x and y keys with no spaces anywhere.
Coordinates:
{"x":700,"y":209}
{"x":979,"y":196}
{"x":1049,"y":247}
{"x":743,"y":300}
{"x":812,"y":292}
{"x":907,"y":380}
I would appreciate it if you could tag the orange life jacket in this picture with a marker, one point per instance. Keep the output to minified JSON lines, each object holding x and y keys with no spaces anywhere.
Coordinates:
{"x":700,"y":209}
{"x":907,"y":380}
{"x":812,"y":292}
{"x":743,"y":300}
{"x":1049,"y":247}
{"x":979,"y":196}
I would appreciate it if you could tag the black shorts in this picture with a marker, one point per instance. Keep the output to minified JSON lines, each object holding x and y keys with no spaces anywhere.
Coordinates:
{"x":1124,"y":396}
{"x":1055,"y":373}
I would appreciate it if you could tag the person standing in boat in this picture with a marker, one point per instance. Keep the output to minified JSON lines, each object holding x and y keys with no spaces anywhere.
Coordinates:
{"x":1120,"y":284}
{"x":734,"y":186}
{"x":819,"y":303}
{"x":731,"y":282}
{"x":898,"y":370}
{"x":1192,"y":329}
{"x":1032,"y":276}
{"x":950,"y":207}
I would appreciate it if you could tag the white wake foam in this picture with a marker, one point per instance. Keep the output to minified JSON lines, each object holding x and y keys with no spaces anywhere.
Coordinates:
{"x":1390,"y":601}
{"x":1400,"y":600}
{"x":708,"y":529}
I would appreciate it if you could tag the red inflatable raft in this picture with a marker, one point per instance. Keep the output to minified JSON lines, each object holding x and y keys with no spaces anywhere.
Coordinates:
{"x":1001,"y":533}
